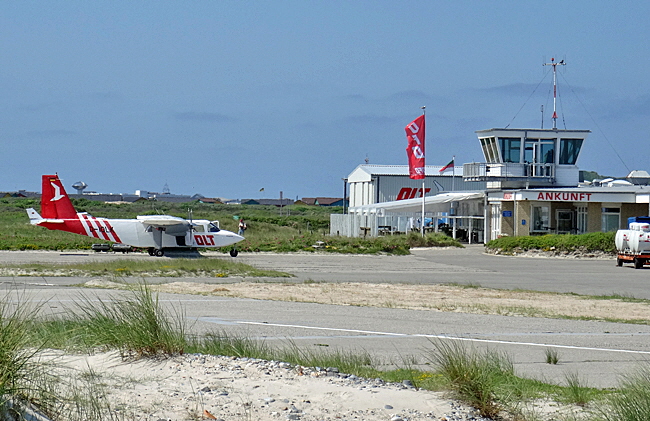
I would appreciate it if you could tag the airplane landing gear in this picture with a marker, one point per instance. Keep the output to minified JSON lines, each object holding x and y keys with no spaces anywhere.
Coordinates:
{"x":155,"y":252}
{"x":234,"y":253}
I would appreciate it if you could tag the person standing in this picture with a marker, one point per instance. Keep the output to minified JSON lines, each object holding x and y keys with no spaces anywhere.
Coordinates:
{"x":242,"y":227}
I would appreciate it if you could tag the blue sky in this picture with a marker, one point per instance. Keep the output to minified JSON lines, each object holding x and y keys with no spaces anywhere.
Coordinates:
{"x":224,"y":98}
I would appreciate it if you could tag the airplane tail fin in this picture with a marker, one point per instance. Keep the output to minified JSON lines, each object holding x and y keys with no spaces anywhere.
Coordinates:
{"x":55,"y":203}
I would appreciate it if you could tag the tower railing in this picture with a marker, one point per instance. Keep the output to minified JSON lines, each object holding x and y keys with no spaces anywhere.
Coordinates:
{"x":485,"y":171}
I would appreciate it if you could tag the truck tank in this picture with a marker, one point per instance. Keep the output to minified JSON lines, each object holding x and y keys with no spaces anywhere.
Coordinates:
{"x":624,"y":238}
{"x":639,"y":242}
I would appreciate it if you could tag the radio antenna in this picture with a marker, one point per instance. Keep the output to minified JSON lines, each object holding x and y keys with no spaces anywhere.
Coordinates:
{"x":554,"y":64}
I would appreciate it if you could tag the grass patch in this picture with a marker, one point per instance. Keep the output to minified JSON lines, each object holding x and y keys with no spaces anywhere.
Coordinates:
{"x":632,"y":401}
{"x":22,"y":379}
{"x":222,"y":343}
{"x":475,"y":378}
{"x":552,"y":356}
{"x":575,"y":391}
{"x":396,"y":244}
{"x":134,"y":323}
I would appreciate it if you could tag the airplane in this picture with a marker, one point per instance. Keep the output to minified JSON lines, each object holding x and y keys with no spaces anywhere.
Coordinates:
{"x":156,"y":233}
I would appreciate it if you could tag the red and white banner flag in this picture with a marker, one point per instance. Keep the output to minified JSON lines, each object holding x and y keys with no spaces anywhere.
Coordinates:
{"x":415,"y":149}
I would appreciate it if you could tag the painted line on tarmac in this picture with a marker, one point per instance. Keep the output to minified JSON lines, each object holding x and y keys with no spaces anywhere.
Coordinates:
{"x":453,"y":338}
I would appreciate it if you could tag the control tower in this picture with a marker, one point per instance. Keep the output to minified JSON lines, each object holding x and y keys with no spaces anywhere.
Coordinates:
{"x":521,"y":158}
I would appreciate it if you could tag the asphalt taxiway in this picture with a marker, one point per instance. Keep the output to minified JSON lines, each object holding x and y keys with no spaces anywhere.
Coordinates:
{"x":599,"y":352}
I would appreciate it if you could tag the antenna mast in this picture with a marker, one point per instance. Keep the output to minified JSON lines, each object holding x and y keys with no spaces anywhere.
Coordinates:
{"x":554,"y":64}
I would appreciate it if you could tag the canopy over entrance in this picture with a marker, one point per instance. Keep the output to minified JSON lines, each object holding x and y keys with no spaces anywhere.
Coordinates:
{"x":415,"y":205}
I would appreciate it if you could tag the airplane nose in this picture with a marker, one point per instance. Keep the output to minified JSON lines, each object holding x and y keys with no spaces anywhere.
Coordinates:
{"x":229,"y":237}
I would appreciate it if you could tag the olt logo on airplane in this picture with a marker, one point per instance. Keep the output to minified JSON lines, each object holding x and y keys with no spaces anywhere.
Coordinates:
{"x":204,"y":240}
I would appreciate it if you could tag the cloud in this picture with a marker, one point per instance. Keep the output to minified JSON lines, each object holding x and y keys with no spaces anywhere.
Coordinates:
{"x":203,"y":116}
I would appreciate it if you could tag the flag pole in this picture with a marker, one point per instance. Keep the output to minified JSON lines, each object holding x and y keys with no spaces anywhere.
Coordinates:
{"x":425,"y":176}
{"x":453,"y":173}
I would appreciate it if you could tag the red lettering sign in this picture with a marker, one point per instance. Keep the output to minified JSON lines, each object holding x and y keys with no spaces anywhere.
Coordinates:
{"x":415,"y":149}
{"x":564,"y":196}
{"x":410,"y":193}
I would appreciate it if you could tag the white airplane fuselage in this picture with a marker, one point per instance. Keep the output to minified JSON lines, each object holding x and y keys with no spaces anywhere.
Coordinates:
{"x":138,"y":233}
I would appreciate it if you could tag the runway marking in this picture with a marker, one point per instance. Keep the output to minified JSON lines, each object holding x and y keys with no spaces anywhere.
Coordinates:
{"x":453,"y":338}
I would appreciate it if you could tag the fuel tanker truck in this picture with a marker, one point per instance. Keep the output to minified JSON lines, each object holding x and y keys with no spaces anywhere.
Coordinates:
{"x":633,"y":244}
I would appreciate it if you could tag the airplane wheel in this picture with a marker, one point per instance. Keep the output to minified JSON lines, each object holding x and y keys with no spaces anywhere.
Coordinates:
{"x":234,"y":253}
{"x":159,"y":253}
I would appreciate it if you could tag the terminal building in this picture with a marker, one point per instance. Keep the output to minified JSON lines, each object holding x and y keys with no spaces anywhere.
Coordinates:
{"x":528,"y":184}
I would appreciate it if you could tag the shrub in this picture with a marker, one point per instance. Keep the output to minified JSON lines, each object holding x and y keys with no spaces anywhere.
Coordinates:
{"x":590,"y":242}
{"x":475,"y":377}
{"x":632,"y":401}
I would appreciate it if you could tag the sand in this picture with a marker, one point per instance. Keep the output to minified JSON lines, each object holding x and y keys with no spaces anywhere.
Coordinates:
{"x":195,"y":387}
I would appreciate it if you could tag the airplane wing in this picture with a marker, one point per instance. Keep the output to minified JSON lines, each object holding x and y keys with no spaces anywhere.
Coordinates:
{"x":162,"y":221}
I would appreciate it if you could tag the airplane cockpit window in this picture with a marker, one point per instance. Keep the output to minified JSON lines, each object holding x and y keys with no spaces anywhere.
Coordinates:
{"x":198,"y":228}
{"x":213,"y":228}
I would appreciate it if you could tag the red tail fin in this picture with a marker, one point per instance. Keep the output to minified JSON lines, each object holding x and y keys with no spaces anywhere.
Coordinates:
{"x":55,"y":203}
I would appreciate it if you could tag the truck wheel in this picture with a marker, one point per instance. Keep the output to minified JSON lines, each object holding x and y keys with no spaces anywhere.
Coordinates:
{"x":619,"y":262}
{"x":638,"y":263}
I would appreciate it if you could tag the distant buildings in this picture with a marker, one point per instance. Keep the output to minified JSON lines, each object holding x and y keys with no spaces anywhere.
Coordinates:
{"x":142,"y":196}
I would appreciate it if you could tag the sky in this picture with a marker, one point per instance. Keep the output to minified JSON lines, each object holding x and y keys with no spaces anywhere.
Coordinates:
{"x":226,"y":98}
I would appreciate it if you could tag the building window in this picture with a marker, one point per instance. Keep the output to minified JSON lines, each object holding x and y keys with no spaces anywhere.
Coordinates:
{"x":539,"y":151}
{"x":490,"y":149}
{"x":510,"y":149}
{"x":564,"y":221}
{"x":610,"y":219}
{"x":581,"y":211}
{"x":547,"y":153}
{"x":495,"y":221}
{"x":541,"y":219}
{"x":569,"y":151}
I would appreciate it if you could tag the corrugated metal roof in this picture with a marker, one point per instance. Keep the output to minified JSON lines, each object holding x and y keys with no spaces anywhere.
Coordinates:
{"x":373,"y":169}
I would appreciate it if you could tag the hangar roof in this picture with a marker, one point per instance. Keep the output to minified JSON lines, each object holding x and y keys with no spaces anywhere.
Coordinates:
{"x":365,"y":172}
